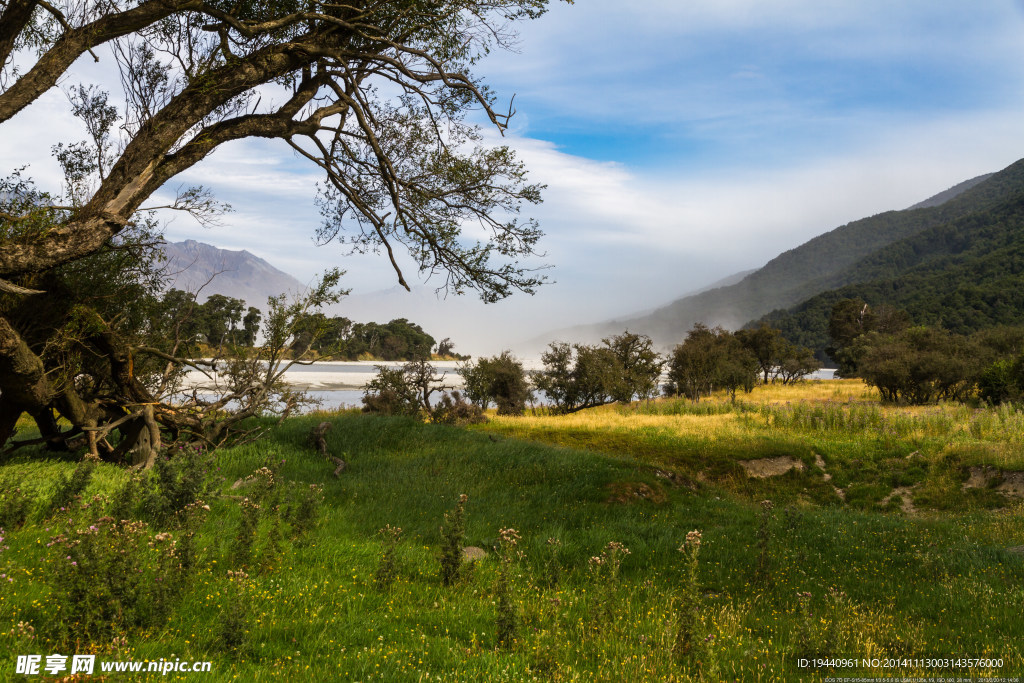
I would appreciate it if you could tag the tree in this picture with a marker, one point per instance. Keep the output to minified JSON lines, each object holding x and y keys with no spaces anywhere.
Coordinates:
{"x":918,"y":365}
{"x":795,"y":363}
{"x":250,"y":326}
{"x":375,"y":95}
{"x":391,"y":393}
{"x":407,"y":391}
{"x":501,"y":379}
{"x":710,"y":358}
{"x":852,"y":318}
{"x":764,"y":342}
{"x":641,"y":366}
{"x":577,"y":376}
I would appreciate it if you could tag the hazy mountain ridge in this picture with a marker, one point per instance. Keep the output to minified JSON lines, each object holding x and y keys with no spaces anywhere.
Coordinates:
{"x":944,"y":196}
{"x":195,"y":266}
{"x":823,"y":263}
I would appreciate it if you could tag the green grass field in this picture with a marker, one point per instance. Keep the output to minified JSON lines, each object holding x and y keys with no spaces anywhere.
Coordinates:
{"x":889,"y":558}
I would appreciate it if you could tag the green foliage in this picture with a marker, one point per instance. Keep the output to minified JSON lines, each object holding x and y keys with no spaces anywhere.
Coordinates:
{"x":171,"y":484}
{"x":387,"y":570}
{"x":109,"y":577}
{"x":396,"y":340}
{"x":919,"y":365}
{"x":688,"y":603}
{"x":765,"y":535}
{"x":641,"y":366}
{"x":67,"y":488}
{"x":963,"y":275}
{"x":453,"y":535}
{"x":1003,"y":381}
{"x":499,"y":379}
{"x":391,"y":393}
{"x":508,"y":616}
{"x":452,"y":409}
{"x":708,"y":359}
{"x":577,"y":376}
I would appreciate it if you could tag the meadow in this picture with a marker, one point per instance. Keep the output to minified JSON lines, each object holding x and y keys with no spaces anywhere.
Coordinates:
{"x":880,"y":533}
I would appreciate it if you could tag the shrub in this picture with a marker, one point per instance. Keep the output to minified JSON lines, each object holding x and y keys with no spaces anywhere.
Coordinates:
{"x":501,"y":380}
{"x":68,"y":488}
{"x":452,"y":409}
{"x":688,"y":606}
{"x":109,"y":578}
{"x":172,"y":484}
{"x":508,"y":617}
{"x":1003,"y":381}
{"x":452,"y":537}
{"x":390,"y":393}
{"x":387,"y":570}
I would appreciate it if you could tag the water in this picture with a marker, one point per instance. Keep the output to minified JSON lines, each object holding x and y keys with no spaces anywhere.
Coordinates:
{"x":339,"y":384}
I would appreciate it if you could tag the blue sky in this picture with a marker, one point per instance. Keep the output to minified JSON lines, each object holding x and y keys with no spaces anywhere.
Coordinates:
{"x":699,"y":84}
{"x":681,"y":141}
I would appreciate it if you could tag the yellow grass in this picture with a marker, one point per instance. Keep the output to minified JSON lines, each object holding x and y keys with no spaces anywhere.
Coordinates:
{"x":840,"y":390}
{"x":607,"y":418}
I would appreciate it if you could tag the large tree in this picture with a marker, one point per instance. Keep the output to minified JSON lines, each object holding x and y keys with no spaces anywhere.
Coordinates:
{"x":376,"y":94}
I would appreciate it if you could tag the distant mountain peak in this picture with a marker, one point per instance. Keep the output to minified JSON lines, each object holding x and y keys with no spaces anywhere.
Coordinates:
{"x":199,"y":267}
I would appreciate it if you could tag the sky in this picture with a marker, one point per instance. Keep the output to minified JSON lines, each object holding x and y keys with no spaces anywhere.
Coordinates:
{"x":680,"y":142}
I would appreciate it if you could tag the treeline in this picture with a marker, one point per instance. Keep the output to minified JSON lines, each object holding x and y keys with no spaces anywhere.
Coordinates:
{"x":220,"y":320}
{"x":223,"y":320}
{"x":917,"y":364}
{"x":338,"y":338}
{"x":622,"y":368}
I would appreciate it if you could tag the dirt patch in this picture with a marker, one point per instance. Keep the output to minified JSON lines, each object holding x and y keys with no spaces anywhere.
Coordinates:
{"x":676,"y":480}
{"x":1017,"y":549}
{"x":906,"y":499}
{"x":1009,"y":483}
{"x":981,"y":477}
{"x":771,"y":467}
{"x":1012,"y":484}
{"x":633,"y":491}
{"x":820,"y":462}
{"x":472,"y":553}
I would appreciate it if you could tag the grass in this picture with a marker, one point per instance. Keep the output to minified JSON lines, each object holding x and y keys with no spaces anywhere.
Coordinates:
{"x":854,"y":578}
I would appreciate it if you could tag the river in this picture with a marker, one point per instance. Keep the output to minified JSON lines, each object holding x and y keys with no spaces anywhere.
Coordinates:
{"x":340,"y":383}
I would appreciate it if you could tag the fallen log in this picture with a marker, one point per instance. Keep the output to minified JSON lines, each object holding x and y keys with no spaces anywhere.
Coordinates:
{"x":319,"y":442}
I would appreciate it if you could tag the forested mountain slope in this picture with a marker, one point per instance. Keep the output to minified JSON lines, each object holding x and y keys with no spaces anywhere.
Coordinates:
{"x":964,"y":275}
{"x":824,"y":263}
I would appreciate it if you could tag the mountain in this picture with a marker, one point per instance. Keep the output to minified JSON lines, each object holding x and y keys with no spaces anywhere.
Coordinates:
{"x":593,"y":333}
{"x":944,"y":196}
{"x":197,"y":267}
{"x":964,"y":276}
{"x":824,"y":263}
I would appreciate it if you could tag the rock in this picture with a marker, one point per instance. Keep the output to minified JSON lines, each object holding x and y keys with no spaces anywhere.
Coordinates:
{"x":771,"y":467}
{"x":472,"y":553}
{"x":1009,"y":483}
